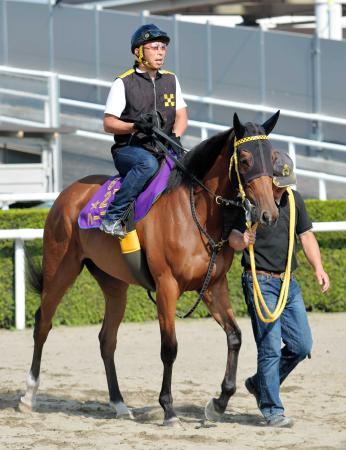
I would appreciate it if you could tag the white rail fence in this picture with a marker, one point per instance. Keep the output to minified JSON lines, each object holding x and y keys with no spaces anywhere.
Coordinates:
{"x":52,"y":103}
{"x":23,"y":234}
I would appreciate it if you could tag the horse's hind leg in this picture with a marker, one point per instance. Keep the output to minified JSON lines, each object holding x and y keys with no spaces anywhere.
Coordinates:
{"x":58,"y":276}
{"x":114,"y":291}
{"x":217,"y":301}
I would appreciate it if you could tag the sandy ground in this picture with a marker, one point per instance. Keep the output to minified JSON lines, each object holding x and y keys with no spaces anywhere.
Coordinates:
{"x":72,"y":409}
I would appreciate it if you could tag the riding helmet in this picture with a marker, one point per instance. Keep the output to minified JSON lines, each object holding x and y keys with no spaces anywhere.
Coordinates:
{"x":147,"y":33}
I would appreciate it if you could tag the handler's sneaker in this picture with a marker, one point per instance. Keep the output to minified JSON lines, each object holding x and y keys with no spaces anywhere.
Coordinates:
{"x":280,"y":421}
{"x":250,"y":386}
{"x":112,"y":227}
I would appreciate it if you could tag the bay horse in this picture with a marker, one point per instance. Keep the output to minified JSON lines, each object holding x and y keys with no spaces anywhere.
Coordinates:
{"x":177,"y":253}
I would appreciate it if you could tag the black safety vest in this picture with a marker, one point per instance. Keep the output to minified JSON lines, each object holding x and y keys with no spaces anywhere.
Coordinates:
{"x":144,"y":95}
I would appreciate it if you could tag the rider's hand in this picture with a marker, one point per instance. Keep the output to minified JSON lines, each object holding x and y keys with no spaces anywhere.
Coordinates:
{"x":145,"y":125}
{"x":179,"y":151}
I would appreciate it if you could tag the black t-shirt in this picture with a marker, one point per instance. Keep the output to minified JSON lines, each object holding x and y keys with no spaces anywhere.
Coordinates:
{"x":271,"y":245}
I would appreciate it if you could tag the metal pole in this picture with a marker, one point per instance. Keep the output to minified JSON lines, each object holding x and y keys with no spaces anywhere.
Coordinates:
{"x":97,"y":51}
{"x":316,"y":97}
{"x":4,"y":31}
{"x":292,"y":154}
{"x":263,"y":70}
{"x":176,"y":45}
{"x":322,"y":189}
{"x":55,"y":141}
{"x":209,"y":69}
{"x":144,"y":14}
{"x":328,"y":19}
{"x":19,"y":263}
{"x":51,"y":35}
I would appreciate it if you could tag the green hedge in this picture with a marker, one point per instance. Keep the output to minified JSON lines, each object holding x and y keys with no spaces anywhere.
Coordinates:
{"x":84,"y":304}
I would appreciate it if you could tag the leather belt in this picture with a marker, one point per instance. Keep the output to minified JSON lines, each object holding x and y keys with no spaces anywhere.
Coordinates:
{"x":270,"y":274}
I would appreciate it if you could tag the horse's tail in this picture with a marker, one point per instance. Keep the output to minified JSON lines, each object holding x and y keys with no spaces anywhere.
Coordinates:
{"x":34,"y":273}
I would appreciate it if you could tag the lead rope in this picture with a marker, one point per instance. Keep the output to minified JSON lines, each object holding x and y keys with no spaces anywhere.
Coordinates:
{"x":280,"y":306}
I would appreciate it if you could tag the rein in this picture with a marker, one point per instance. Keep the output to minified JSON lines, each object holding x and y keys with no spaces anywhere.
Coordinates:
{"x":218,"y":198}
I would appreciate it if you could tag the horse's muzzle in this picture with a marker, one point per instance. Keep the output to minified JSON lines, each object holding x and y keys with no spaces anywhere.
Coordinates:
{"x":267,"y":219}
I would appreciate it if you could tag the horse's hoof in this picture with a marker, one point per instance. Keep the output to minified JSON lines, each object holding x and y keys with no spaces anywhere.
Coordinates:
{"x":173,"y":422}
{"x":122,"y":411}
{"x":210,"y":412}
{"x":24,"y":406}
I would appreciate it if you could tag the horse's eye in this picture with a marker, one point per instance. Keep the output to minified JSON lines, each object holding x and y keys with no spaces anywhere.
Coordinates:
{"x":244,"y":161}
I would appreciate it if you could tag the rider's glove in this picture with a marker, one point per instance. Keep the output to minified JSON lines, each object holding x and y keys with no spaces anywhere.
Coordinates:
{"x":145,"y":125}
{"x":177,"y":148}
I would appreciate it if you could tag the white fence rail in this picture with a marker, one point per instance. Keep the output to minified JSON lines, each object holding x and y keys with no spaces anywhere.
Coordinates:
{"x":8,"y":199}
{"x":53,"y":101}
{"x":20,"y":235}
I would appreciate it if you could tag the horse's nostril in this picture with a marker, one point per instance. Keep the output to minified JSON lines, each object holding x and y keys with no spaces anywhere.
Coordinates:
{"x":266,"y":218}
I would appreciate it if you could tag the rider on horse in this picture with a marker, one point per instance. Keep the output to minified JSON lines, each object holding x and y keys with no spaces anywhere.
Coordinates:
{"x":141,"y":98}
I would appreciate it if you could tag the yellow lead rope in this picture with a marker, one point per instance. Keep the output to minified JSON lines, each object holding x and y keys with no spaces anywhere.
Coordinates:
{"x":257,"y":294}
{"x":271,"y":316}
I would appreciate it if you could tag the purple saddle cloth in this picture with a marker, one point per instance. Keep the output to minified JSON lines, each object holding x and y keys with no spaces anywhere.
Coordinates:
{"x":92,"y":214}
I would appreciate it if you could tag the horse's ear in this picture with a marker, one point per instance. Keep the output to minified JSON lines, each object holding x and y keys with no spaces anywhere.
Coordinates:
{"x":271,"y":122}
{"x":239,"y":128}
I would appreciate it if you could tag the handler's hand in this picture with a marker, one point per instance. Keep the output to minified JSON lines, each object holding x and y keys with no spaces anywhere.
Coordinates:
{"x":322,"y":279}
{"x":249,"y":237}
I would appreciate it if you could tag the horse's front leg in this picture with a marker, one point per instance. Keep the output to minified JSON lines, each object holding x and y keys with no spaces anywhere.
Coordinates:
{"x":167,"y":295}
{"x":217,"y":301}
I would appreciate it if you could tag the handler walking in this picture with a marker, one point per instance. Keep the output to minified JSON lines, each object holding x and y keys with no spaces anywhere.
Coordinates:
{"x":274,"y":362}
{"x":141,"y":98}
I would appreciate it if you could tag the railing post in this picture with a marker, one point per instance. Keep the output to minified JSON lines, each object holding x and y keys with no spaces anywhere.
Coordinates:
{"x":176,"y":45}
{"x":204,"y":133}
{"x":292,"y":152}
{"x":97,"y":50}
{"x":19,"y":262}
{"x":54,"y":95}
{"x":51,"y":62}
{"x":322,"y":189}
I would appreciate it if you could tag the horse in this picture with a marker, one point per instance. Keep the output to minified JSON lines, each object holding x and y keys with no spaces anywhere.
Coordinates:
{"x":177,"y":250}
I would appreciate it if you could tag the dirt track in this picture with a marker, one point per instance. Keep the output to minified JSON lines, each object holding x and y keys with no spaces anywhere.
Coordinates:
{"x":72,"y":409}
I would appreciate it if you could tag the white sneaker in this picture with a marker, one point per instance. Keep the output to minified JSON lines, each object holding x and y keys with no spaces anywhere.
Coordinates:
{"x":112,"y":227}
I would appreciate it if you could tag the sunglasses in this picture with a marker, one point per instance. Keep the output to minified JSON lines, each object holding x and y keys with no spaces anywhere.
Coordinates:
{"x":155,"y":46}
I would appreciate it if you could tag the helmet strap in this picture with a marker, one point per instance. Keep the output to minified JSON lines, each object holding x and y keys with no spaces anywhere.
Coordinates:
{"x":141,"y":60}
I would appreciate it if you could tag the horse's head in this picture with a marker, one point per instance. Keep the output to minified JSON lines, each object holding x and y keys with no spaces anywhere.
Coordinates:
{"x":254,"y":157}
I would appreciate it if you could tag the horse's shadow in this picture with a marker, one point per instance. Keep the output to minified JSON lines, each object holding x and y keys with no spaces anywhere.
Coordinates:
{"x":151,"y":414}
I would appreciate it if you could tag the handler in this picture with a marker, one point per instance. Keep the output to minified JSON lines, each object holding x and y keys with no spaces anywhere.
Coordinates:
{"x":274,"y":363}
{"x":141,"y":98}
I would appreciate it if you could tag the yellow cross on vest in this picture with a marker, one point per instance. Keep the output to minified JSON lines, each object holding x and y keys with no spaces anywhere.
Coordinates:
{"x":169,"y":99}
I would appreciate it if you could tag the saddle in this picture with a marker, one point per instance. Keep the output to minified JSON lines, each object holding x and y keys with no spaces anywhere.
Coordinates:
{"x":93,"y":212}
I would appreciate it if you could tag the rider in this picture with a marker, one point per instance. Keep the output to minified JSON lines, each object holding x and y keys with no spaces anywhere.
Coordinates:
{"x":274,"y":363}
{"x":141,"y":98}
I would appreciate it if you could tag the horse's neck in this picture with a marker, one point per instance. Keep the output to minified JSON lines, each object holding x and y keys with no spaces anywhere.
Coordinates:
{"x":218,"y":183}
{"x":217,"y":179}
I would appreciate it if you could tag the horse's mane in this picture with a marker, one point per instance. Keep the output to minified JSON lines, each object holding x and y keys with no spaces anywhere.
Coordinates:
{"x":198,"y":161}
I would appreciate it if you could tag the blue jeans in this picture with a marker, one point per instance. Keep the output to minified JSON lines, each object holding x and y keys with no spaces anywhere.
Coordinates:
{"x":136,"y":166}
{"x":274,"y":362}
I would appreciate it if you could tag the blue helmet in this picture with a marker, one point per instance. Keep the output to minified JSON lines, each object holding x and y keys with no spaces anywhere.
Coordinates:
{"x":147,"y":33}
